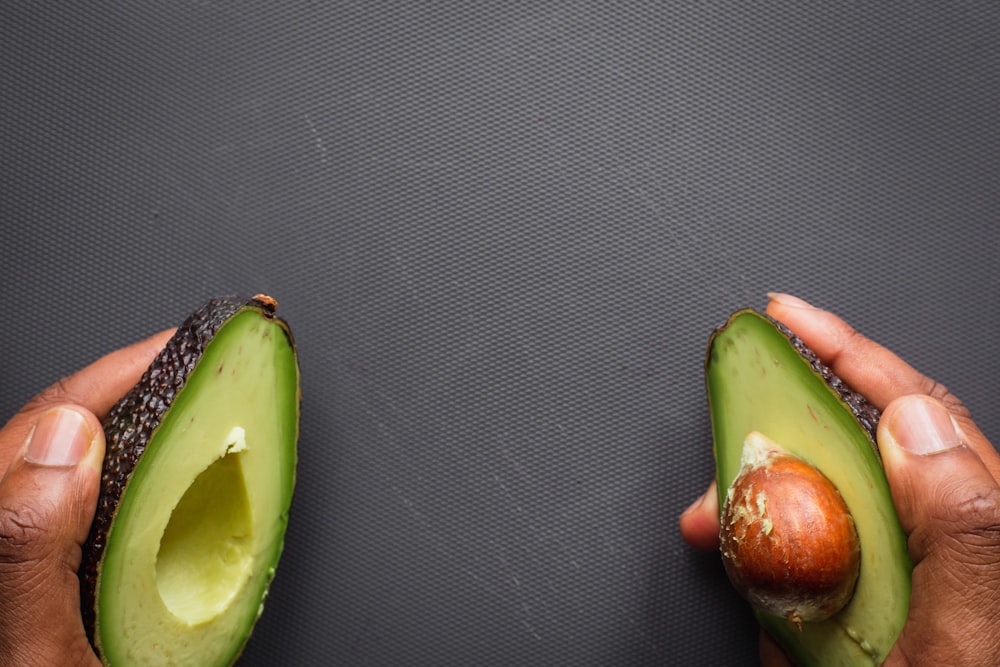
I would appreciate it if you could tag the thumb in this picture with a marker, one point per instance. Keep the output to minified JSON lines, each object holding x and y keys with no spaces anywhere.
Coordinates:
{"x":47,"y":501}
{"x":949,"y":506}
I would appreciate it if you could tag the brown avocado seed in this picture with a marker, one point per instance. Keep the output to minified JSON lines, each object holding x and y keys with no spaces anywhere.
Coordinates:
{"x":788,"y":540}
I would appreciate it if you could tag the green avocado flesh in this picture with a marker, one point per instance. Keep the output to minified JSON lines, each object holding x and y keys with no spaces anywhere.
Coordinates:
{"x":760,"y":377}
{"x":193,"y":541}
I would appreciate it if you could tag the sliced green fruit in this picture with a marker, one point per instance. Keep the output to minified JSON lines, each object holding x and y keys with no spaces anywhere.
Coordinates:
{"x":761,"y":377}
{"x":198,"y":479}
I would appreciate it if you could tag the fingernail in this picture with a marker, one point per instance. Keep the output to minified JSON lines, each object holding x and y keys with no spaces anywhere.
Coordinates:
{"x":923,"y":426}
{"x":789,"y":300}
{"x":61,"y":437}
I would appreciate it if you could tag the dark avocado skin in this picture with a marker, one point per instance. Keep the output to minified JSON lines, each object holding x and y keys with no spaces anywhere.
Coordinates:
{"x":866,"y":414}
{"x":132,"y":421}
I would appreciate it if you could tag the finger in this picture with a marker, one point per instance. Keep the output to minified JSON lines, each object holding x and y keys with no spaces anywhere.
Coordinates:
{"x":949,"y":504}
{"x":95,"y":388}
{"x":47,"y":500}
{"x":700,"y":522}
{"x":99,"y":386}
{"x":871,"y":369}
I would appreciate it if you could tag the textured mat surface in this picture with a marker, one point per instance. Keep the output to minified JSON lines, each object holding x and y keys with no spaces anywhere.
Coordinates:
{"x":502,"y":236}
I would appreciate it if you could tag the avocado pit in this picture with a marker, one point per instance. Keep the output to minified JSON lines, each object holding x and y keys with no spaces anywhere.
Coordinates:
{"x":789,"y":543}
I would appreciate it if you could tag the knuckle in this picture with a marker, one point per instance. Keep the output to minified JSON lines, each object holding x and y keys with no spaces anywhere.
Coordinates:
{"x":978,"y":520}
{"x":850,"y":339}
{"x":28,"y":558}
{"x":956,"y":552}
{"x":56,"y":393}
{"x":938,"y":391}
{"x":22,"y":567}
{"x":20,"y":536}
{"x":969,"y":530}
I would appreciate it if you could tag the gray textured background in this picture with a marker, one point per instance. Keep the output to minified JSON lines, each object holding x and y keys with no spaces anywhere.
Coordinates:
{"x":502,"y":235}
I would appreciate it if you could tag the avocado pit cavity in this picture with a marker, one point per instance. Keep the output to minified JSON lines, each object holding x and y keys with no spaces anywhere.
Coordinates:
{"x":788,"y":541}
{"x":205,"y":553}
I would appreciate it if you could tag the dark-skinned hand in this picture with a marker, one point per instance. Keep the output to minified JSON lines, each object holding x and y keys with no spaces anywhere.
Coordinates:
{"x":50,"y":460}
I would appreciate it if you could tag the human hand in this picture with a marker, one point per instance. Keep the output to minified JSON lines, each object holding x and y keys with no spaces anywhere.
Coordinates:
{"x":945,"y":480}
{"x":50,"y":458}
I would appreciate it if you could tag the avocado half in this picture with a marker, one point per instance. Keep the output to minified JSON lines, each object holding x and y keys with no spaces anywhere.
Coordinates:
{"x":761,"y":377}
{"x":197,"y":483}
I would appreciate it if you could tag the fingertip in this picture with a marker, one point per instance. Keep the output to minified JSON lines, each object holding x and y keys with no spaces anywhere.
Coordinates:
{"x":932,"y":472}
{"x":67,"y":440}
{"x":157,"y":341}
{"x":821,"y":330}
{"x":918,"y":424}
{"x":699,"y":523}
{"x":63,"y":436}
{"x":51,"y":486}
{"x":867,"y":367}
{"x":94,"y":459}
{"x":782,"y":300}
{"x":98,"y":386}
{"x":699,"y":532}
{"x":789,"y":309}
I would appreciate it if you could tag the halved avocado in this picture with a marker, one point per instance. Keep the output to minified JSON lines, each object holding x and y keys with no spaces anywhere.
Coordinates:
{"x":197,"y":483}
{"x":761,"y":377}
